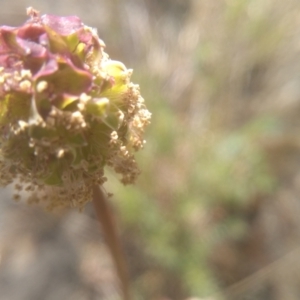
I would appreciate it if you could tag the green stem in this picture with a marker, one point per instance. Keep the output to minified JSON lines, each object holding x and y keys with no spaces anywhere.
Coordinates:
{"x":105,"y":217}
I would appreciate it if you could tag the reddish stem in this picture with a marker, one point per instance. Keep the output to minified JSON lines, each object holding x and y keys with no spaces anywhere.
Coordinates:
{"x":106,"y":220}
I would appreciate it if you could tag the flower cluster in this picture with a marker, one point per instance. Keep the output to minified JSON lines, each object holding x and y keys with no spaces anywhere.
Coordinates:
{"x":66,"y":111}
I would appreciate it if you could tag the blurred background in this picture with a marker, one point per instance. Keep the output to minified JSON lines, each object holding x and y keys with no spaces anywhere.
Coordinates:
{"x":215,"y":212}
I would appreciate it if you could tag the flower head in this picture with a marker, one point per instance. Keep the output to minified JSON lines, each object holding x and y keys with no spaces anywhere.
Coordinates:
{"x":66,"y":110}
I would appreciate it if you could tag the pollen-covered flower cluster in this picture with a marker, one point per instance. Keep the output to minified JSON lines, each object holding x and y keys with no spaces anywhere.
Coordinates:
{"x":66,"y":111}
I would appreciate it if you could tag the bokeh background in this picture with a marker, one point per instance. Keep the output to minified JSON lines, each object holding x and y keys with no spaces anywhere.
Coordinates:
{"x":215,"y":212}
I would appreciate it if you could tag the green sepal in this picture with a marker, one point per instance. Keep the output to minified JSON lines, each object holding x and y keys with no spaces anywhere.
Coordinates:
{"x":97,"y":107}
{"x":55,"y":175}
{"x":14,"y":106}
